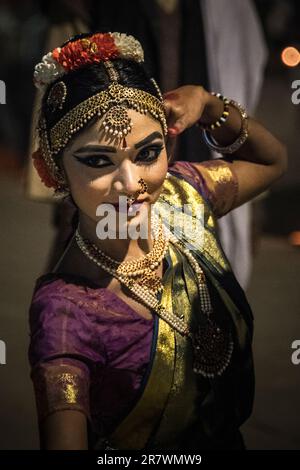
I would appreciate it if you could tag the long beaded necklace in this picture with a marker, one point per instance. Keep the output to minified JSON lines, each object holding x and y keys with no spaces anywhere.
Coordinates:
{"x":212,"y":346}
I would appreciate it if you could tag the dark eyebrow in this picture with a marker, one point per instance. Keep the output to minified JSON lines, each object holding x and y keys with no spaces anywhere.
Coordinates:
{"x":108,"y":148}
{"x":148,"y":139}
{"x":96,"y":148}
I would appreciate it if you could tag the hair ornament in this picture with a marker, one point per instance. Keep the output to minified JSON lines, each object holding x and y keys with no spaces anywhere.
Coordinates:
{"x":93,"y":49}
{"x":57,"y":96}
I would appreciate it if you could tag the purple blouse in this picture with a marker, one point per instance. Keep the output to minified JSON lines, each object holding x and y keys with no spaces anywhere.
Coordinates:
{"x":89,"y":350}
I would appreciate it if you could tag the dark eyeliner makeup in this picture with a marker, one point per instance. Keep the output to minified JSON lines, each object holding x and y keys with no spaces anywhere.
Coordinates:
{"x":153,"y":151}
{"x":93,"y":161}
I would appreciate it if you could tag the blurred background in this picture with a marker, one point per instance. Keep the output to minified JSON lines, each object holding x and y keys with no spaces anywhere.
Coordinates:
{"x":30,"y":224}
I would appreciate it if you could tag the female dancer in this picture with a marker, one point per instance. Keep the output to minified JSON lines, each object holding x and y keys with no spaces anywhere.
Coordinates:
{"x":141,"y":339}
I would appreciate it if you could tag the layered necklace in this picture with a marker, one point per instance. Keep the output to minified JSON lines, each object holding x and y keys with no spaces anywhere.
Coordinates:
{"x":212,"y":346}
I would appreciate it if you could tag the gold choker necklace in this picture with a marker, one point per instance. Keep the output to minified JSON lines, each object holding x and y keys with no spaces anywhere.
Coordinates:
{"x":142,"y":271}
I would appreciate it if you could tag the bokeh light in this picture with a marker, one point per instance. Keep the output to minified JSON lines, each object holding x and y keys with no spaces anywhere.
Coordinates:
{"x":290,"y":56}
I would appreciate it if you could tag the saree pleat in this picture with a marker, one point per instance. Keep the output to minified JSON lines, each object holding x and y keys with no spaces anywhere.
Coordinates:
{"x":134,"y":431}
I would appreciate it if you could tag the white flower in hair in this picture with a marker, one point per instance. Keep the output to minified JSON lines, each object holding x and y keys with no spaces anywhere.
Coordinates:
{"x":128,"y":47}
{"x":47,"y":71}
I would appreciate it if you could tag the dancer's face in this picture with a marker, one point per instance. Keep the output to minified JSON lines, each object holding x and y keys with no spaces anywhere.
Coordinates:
{"x":99,"y":172}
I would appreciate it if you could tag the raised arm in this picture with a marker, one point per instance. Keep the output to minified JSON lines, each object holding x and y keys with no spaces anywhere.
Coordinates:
{"x":259,"y":162}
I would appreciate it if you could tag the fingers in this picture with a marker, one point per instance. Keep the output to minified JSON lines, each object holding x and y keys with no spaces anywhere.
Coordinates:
{"x":175,"y":119}
{"x":167,"y":107}
{"x":177,"y":127}
{"x":171,"y":96}
{"x":175,"y":113}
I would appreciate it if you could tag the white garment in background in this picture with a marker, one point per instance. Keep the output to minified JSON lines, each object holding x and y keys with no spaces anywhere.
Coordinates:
{"x":236,"y":57}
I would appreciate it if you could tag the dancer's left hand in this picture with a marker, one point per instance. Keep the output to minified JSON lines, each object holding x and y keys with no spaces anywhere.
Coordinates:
{"x":184,"y":107}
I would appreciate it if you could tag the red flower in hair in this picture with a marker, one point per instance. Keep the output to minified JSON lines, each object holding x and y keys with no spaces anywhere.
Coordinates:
{"x":86,"y":51}
{"x":43,"y":171}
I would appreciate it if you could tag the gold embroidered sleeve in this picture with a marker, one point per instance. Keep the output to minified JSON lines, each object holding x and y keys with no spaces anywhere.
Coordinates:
{"x":219,"y":184}
{"x":61,"y":385}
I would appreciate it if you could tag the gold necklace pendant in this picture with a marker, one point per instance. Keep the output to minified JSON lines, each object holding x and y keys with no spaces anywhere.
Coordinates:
{"x":212,"y":346}
{"x":212,"y":349}
{"x":152,"y":281}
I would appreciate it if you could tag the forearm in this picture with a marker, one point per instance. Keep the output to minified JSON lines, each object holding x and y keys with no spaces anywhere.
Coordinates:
{"x":64,"y":430}
{"x":257,"y":163}
{"x":261,"y":146}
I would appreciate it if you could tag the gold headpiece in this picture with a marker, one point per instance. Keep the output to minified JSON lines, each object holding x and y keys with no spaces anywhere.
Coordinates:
{"x":115,"y":102}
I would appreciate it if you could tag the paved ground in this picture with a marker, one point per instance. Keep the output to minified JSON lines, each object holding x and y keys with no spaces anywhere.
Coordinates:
{"x":25,"y":236}
{"x":275,"y":298}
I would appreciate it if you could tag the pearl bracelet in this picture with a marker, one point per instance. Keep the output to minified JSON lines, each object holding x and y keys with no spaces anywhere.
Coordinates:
{"x":221,"y":119}
{"x":210,"y":141}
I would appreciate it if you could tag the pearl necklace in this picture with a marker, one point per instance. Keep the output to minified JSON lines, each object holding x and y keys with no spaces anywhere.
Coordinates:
{"x":212,"y":347}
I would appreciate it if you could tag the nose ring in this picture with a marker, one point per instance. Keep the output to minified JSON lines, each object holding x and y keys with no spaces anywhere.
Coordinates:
{"x":142,"y":190}
{"x":144,"y":186}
